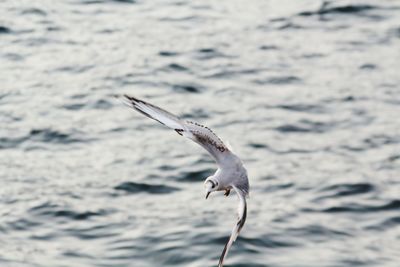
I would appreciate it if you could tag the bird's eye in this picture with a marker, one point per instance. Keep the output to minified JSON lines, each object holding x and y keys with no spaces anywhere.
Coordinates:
{"x":213,"y":185}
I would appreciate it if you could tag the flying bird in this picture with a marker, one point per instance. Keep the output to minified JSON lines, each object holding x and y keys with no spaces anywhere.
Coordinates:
{"x":230,"y":174}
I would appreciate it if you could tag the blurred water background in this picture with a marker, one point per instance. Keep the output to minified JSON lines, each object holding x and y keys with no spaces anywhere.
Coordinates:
{"x":306,"y":92}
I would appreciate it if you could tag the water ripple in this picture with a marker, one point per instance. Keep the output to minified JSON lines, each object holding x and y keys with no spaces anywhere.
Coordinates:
{"x":134,"y":188}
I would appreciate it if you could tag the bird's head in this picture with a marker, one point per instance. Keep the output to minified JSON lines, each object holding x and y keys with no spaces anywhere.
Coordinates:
{"x":210,"y":185}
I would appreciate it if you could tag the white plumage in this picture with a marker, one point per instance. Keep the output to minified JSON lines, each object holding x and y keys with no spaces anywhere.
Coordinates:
{"x":230,"y":174}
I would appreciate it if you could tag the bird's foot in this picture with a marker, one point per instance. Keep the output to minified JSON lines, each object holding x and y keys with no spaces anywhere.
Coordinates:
{"x":227,"y":192}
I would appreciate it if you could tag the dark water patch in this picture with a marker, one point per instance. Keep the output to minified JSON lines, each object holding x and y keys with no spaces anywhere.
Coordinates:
{"x":268,"y":47}
{"x":279,"y":80}
{"x":48,"y":209}
{"x":372,"y":142}
{"x":167,"y":168}
{"x":393,"y":158}
{"x":168,"y":53}
{"x":395,"y":32}
{"x":92,"y":2}
{"x":134,"y":188}
{"x":54,"y":28}
{"x":387,"y":223}
{"x":313,"y":55}
{"x":176,"y":67}
{"x":232,"y":73}
{"x":346,"y":9}
{"x":34,"y":11}
{"x":76,"y":254}
{"x":13,"y":57}
{"x":197,"y":113}
{"x":263,"y":241}
{"x":22,"y":224}
{"x":280,"y":152}
{"x":188,"y":88}
{"x":208,"y":53}
{"x":317,"y":232}
{"x":180,"y":19}
{"x":308,"y":108}
{"x":207,"y":50}
{"x":362,"y":208}
{"x":247,"y":264}
{"x":305,"y":126}
{"x":290,"y":26}
{"x":368,"y":66}
{"x":278,"y":187}
{"x":258,"y":145}
{"x":75,"y":69}
{"x":101,"y":104}
{"x":79,"y":96}
{"x":195,"y":176}
{"x":76,"y":106}
{"x":94,"y":232}
{"x":4,"y":30}
{"x":342,"y":190}
{"x":11,"y":142}
{"x":52,"y":136}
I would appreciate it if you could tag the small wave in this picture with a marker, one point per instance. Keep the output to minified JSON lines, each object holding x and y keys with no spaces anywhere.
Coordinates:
{"x":308,"y":126}
{"x":4,"y":30}
{"x":268,"y":47}
{"x":91,"y":2}
{"x":48,"y":209}
{"x":373,"y":142}
{"x":196,"y":114}
{"x":195,"y":176}
{"x":281,"y":80}
{"x":133,"y":188}
{"x":99,"y":104}
{"x":317,"y":232}
{"x":34,"y":11}
{"x":342,"y":190}
{"x":168,"y":53}
{"x":51,"y":136}
{"x":40,"y":136}
{"x":368,"y":66}
{"x":391,"y":222}
{"x":75,"y":68}
{"x":22,"y":224}
{"x":355,"y":207}
{"x":176,"y":67}
{"x":188,"y":88}
{"x":347,"y":9}
{"x":309,"y":108}
{"x":11,"y":142}
{"x":263,"y":241}
{"x":208,"y":53}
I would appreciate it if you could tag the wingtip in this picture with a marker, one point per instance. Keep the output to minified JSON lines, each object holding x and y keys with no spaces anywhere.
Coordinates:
{"x":131,"y":98}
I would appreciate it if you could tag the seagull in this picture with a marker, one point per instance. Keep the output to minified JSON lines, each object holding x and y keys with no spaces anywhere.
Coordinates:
{"x":231,"y":174}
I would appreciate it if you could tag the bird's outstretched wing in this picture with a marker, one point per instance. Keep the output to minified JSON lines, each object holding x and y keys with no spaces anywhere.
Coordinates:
{"x":242,"y":213}
{"x":192,"y":130}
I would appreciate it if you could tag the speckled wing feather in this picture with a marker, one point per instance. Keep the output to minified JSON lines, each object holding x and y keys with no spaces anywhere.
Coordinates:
{"x":192,"y":130}
{"x":205,"y":137}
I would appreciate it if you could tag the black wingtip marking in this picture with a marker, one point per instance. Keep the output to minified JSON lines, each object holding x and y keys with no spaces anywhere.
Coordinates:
{"x":131,"y":98}
{"x":221,"y":259}
{"x":179,"y":131}
{"x":243,"y":219}
{"x":240,"y":225}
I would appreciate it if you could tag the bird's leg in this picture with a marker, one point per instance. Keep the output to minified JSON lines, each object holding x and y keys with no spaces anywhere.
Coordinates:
{"x":227,"y":192}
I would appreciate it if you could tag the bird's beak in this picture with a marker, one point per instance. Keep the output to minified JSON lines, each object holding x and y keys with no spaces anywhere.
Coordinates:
{"x":208,"y":193}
